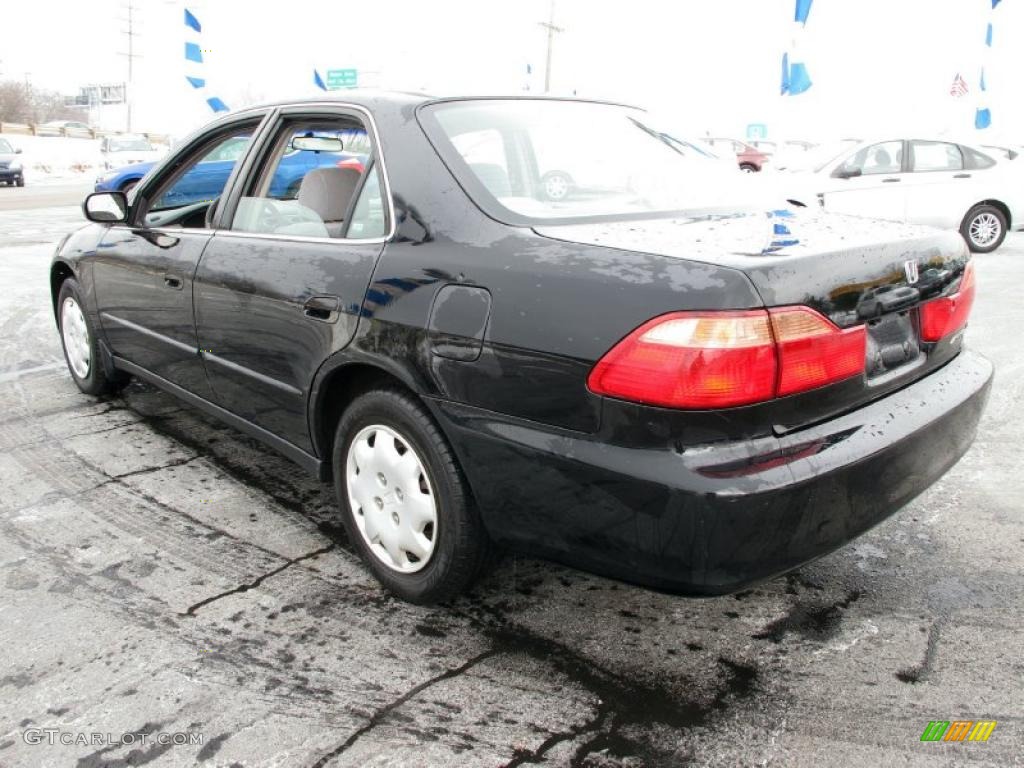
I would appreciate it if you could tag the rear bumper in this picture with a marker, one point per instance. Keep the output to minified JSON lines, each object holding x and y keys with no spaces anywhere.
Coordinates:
{"x":713,"y":519}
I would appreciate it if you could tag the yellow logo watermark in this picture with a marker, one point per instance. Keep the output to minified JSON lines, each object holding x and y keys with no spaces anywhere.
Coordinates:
{"x":958,"y":730}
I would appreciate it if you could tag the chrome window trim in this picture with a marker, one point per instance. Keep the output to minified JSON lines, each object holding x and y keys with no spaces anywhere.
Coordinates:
{"x":386,"y":191}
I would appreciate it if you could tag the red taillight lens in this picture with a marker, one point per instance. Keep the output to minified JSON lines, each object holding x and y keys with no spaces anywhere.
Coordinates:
{"x":813,"y":352}
{"x":691,"y":360}
{"x":723,"y":359}
{"x":948,"y":314}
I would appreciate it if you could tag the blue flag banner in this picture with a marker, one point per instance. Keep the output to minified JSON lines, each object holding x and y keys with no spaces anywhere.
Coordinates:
{"x":994,"y":3}
{"x":982,"y":83}
{"x":795,"y":77}
{"x":192,"y":53}
{"x":799,"y":80}
{"x":982,"y":118}
{"x":192,"y":21}
{"x":217,"y":105}
{"x":988,"y":35}
{"x":318,"y":81}
{"x":197,"y":82}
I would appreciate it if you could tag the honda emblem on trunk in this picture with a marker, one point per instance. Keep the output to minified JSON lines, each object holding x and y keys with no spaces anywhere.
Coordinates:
{"x":910,"y":267}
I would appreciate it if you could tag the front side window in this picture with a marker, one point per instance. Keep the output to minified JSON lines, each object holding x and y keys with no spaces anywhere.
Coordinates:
{"x":549,"y":160}
{"x":935,"y":156}
{"x":205,"y":174}
{"x":309,"y":182}
{"x":6,"y":147}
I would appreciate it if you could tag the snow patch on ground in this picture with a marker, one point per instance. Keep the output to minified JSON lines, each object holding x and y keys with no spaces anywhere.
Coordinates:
{"x":57,"y":157}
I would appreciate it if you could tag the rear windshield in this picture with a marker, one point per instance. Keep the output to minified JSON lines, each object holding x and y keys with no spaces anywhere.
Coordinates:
{"x":544,"y":161}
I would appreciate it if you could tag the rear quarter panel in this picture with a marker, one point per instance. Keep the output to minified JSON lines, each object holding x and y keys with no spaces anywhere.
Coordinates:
{"x":555,"y":307}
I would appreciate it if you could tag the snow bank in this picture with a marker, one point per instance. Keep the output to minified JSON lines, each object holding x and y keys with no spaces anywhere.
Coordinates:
{"x":58,"y":157}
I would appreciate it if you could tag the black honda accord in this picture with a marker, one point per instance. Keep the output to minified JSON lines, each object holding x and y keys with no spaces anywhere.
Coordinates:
{"x":653,"y":376}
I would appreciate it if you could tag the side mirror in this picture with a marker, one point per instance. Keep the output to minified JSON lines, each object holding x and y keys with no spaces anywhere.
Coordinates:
{"x":843,"y":172}
{"x":106,"y":207}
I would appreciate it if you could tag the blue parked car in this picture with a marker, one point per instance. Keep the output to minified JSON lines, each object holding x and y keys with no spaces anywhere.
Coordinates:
{"x":208,"y":177}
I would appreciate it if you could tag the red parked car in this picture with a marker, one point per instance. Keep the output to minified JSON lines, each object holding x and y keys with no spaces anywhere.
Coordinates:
{"x":750,"y":159}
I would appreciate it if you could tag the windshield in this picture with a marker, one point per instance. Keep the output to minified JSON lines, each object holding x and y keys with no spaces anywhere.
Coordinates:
{"x":5,"y":147}
{"x":551,"y":160}
{"x":129,"y":145}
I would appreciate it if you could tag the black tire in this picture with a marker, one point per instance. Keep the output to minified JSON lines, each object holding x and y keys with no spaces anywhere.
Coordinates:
{"x":984,"y":228}
{"x":21,"y":181}
{"x":461,"y":546}
{"x":95,"y":381}
{"x":749,"y":168}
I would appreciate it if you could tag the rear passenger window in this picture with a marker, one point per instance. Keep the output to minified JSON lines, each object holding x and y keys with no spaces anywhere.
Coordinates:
{"x":935,"y":156}
{"x":308,"y":183}
{"x":975,"y":160}
{"x":368,"y":216}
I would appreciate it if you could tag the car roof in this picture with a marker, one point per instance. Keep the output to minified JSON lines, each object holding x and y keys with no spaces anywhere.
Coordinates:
{"x":367,"y":98}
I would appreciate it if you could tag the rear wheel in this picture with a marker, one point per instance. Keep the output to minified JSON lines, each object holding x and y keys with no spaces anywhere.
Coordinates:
{"x":20,"y":181}
{"x":748,"y":168}
{"x":556,"y":185}
{"x":984,"y":228}
{"x":405,"y":505}
{"x":81,"y":349}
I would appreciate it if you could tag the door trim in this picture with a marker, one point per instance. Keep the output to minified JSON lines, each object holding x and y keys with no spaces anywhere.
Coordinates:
{"x":149,"y":333}
{"x":262,"y":378}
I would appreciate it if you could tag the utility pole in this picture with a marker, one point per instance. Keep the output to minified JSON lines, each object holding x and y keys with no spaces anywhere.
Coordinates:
{"x":131,"y":34}
{"x":552,"y":29}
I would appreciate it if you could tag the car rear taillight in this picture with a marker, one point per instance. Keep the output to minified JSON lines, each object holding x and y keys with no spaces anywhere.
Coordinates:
{"x":706,"y":360}
{"x":813,"y":351}
{"x":948,"y":314}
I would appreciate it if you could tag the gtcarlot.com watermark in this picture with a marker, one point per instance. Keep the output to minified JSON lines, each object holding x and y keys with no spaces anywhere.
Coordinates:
{"x":53,"y":736}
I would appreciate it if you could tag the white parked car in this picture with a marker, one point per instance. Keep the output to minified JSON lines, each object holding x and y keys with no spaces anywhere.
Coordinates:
{"x":922,"y":181}
{"x":126,"y":149}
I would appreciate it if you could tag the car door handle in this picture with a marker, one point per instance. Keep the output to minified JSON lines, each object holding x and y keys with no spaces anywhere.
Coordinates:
{"x":322,"y":308}
{"x":961,"y":175}
{"x":172,"y":282}
{"x":890,"y":180}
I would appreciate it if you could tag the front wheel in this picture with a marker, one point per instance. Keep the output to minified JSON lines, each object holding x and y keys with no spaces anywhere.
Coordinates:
{"x":984,"y":228}
{"x":20,"y":181}
{"x":405,"y":504}
{"x":748,"y":168}
{"x":81,"y":349}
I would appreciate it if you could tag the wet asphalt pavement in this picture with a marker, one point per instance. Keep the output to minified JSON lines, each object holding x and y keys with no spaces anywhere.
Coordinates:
{"x":160,"y":573}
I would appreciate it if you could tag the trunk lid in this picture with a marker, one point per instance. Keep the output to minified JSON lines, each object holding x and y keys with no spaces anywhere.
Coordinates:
{"x":854,"y":271}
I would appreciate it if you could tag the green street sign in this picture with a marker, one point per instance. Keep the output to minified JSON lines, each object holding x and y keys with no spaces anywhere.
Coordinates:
{"x":342,"y":78}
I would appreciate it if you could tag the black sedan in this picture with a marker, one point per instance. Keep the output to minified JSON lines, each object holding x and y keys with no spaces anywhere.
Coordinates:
{"x":653,"y":380}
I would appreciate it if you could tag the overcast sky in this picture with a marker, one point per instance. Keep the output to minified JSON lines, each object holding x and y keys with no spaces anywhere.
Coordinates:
{"x":877,"y":65}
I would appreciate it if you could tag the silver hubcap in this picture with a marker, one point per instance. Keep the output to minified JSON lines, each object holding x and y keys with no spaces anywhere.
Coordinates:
{"x":75,"y":333}
{"x":391,"y":498}
{"x":556,"y":187}
{"x":984,"y":229}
